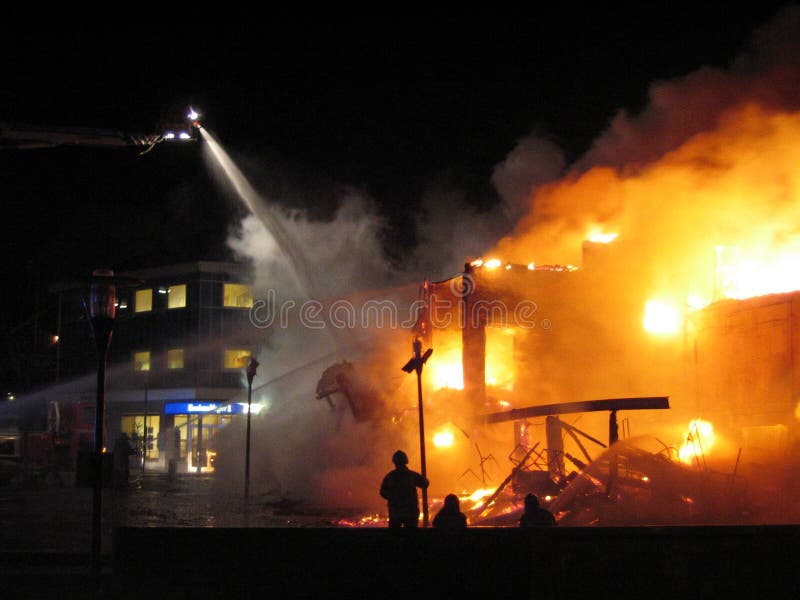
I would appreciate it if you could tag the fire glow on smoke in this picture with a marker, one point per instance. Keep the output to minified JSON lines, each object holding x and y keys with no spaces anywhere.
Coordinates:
{"x":716,"y":217}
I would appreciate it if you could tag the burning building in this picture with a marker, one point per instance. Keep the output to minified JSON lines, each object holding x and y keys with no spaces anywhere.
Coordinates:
{"x":673,"y":278}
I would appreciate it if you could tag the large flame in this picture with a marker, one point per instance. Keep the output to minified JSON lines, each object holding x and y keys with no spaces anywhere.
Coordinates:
{"x":697,"y":442}
{"x":716,"y":218}
{"x":661,"y":317}
{"x":445,"y":368}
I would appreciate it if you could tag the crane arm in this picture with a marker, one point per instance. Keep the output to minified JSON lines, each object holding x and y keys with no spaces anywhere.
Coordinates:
{"x":17,"y":136}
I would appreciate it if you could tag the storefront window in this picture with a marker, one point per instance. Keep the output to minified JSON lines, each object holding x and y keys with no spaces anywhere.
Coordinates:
{"x":134,"y":426}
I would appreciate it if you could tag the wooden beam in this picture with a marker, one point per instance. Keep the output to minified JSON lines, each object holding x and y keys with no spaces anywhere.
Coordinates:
{"x":515,"y":414}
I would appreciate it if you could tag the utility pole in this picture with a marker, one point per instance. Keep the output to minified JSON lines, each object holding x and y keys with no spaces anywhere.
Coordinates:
{"x":251,"y":373}
{"x":416,"y":363}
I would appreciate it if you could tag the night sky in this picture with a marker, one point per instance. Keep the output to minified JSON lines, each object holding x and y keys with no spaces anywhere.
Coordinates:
{"x":305,"y":109}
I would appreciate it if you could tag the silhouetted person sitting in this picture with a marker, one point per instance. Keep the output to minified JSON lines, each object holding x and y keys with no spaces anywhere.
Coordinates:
{"x":399,"y":488}
{"x":450,"y":515}
{"x":534,"y":515}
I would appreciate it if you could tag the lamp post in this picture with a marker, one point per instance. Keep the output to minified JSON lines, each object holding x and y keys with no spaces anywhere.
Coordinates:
{"x":415,"y":364}
{"x":251,"y":373}
{"x":101,"y":308}
{"x":144,"y":428}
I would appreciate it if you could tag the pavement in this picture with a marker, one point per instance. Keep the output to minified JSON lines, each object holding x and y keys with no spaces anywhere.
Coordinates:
{"x":45,"y":530}
{"x":189,"y":538}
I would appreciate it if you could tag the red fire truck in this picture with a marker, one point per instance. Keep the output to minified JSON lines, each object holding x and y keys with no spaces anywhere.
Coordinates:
{"x":29,"y":456}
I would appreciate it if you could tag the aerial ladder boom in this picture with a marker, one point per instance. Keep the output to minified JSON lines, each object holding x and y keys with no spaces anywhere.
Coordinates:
{"x":14,"y":136}
{"x":17,"y":136}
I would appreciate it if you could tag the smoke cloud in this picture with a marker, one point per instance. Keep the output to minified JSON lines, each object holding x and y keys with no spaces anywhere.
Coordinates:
{"x":708,"y":164}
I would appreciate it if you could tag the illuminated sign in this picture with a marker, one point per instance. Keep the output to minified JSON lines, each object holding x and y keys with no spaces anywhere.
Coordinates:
{"x":195,"y":408}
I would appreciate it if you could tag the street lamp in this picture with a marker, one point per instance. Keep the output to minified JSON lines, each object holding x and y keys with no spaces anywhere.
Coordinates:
{"x":101,"y":308}
{"x":251,"y":372}
{"x":415,"y":364}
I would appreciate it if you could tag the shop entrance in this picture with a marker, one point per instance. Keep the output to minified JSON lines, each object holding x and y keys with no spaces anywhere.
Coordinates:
{"x":197,"y":440}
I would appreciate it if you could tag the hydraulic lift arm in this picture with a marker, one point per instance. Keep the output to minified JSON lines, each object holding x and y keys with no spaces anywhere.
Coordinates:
{"x":19,"y":136}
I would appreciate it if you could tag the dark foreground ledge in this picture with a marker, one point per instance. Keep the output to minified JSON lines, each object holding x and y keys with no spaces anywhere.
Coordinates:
{"x":670,"y":562}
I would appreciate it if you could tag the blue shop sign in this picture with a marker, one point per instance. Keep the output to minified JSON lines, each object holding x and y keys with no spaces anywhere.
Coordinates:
{"x":200,"y":408}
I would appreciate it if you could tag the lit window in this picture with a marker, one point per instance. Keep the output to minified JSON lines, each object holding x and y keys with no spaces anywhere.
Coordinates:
{"x":238,"y":295}
{"x":236,"y":359}
{"x":144,"y":301}
{"x":177,"y":296}
{"x":175,"y":358}
{"x":141,"y":361}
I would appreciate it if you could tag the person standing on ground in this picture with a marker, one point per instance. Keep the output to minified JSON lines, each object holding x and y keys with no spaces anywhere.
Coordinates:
{"x":450,"y":515}
{"x":535,"y":515}
{"x":399,"y":489}
{"x":123,"y":450}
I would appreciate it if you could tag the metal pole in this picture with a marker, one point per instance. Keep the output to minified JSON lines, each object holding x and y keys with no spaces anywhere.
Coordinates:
{"x":144,"y":436}
{"x":247,"y":451}
{"x":58,"y":340}
{"x":102,"y":331}
{"x":418,"y":357}
{"x":252,"y":369}
{"x":199,"y":443}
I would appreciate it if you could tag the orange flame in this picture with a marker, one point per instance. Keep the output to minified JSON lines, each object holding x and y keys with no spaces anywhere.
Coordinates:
{"x":445,"y":368}
{"x":716,"y":217}
{"x":697,"y":441}
{"x":661,"y":318}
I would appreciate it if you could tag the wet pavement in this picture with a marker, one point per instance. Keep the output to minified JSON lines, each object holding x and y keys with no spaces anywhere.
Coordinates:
{"x":57,"y":519}
{"x":192,"y":538}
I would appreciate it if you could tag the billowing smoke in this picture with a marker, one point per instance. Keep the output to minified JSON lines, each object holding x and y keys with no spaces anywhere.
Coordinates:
{"x":701,"y":187}
{"x":767,"y":73}
{"x":701,"y":190}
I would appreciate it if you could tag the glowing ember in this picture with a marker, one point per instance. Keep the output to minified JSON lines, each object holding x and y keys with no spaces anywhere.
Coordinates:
{"x":661,"y":318}
{"x":478,"y":497}
{"x":697,"y":442}
{"x":372,"y":520}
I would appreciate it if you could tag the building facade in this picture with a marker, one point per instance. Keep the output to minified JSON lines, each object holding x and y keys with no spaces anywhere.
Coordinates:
{"x":176,"y":368}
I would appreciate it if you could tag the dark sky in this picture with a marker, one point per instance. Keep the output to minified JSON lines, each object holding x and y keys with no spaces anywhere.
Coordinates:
{"x":306,"y":108}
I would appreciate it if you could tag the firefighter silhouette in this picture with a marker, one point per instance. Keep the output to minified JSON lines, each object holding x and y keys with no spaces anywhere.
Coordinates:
{"x":450,"y":515}
{"x":534,"y":515}
{"x":399,"y":488}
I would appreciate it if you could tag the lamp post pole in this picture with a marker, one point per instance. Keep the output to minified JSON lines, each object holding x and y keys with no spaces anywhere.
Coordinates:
{"x":101,"y":308}
{"x":418,"y":358}
{"x":144,"y":428}
{"x":416,"y":363}
{"x":251,"y":373}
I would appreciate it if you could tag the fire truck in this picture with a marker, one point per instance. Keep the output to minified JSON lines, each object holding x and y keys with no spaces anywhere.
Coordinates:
{"x":29,"y":456}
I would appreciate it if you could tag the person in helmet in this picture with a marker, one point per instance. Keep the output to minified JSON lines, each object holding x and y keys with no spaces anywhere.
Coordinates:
{"x":399,"y":489}
{"x":450,"y":515}
{"x":535,"y":515}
